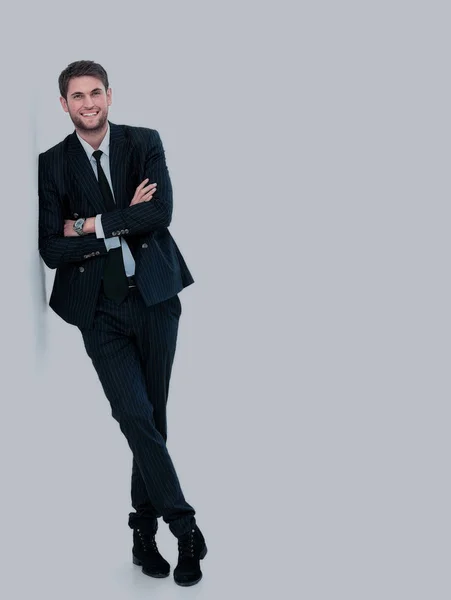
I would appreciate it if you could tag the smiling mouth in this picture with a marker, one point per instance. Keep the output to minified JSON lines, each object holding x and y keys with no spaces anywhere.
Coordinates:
{"x":89,"y":115}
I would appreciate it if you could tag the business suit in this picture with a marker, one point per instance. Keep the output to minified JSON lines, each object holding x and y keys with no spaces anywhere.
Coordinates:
{"x":131,"y":345}
{"x":67,"y":186}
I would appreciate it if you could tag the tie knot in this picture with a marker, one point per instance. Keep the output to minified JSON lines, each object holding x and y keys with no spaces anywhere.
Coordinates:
{"x":97,"y":154}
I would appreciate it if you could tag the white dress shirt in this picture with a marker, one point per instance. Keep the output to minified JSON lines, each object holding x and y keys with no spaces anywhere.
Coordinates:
{"x":116,"y":241}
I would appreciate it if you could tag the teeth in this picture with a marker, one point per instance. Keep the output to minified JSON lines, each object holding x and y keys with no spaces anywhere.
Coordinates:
{"x":89,"y":114}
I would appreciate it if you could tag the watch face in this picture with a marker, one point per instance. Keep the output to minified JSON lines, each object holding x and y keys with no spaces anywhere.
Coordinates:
{"x":78,"y":225}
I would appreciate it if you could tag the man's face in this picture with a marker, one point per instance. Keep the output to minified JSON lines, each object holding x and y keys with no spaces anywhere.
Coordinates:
{"x":87,"y":103}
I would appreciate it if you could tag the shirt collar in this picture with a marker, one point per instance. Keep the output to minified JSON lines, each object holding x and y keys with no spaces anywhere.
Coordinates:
{"x":104,"y":146}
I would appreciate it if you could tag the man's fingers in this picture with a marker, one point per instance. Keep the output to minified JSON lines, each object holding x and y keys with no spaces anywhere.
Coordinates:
{"x":151,"y":186}
{"x":142,"y":195}
{"x":145,"y":198}
{"x":140,"y":186}
{"x":143,"y":183}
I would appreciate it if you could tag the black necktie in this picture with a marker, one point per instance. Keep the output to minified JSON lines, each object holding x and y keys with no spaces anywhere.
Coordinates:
{"x":115,"y":283}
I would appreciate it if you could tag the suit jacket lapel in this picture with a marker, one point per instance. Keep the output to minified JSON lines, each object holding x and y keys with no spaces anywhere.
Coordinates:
{"x":119,"y":158}
{"x":79,"y":164}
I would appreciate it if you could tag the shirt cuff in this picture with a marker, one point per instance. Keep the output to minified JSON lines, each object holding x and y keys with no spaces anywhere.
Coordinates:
{"x":110,"y":243}
{"x":98,"y":227}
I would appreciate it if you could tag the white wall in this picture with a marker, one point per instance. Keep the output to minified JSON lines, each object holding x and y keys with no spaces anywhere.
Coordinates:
{"x":308,"y":146}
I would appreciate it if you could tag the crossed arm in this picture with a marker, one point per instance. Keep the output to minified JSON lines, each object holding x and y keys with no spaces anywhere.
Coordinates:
{"x":57,"y":242}
{"x":143,"y":193}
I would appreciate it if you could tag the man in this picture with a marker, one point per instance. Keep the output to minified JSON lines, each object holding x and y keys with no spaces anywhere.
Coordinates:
{"x":105,"y":204}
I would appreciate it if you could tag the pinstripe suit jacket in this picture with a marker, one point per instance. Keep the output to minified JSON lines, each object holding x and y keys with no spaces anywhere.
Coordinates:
{"x":68,"y":188}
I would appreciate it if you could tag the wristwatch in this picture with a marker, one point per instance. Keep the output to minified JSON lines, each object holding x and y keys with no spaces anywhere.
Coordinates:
{"x":78,"y":226}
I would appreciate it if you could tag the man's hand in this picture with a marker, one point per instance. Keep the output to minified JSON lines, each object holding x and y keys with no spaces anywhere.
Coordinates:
{"x":88,"y":227}
{"x":143,"y":194}
{"x":69,"y":230}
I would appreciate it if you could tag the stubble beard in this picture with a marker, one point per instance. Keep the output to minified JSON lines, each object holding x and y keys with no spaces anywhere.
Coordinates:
{"x":82,"y":125}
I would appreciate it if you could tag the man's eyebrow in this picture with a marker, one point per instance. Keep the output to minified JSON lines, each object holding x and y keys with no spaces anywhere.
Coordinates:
{"x":81,"y":93}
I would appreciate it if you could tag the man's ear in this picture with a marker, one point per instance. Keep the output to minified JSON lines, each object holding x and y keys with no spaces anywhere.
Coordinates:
{"x":109,"y":96}
{"x":64,"y":104}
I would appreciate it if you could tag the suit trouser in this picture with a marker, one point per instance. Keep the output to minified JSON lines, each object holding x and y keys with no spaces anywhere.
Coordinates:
{"x":132,"y":348}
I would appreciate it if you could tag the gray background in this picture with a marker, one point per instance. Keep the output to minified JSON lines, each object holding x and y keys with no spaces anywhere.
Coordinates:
{"x":308,"y":146}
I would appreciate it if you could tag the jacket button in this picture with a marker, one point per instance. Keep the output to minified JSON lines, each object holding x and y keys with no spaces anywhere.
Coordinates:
{"x":144,"y":246}
{"x":98,"y":252}
{"x":81,"y":269}
{"x":126,"y":231}
{"x":75,"y":215}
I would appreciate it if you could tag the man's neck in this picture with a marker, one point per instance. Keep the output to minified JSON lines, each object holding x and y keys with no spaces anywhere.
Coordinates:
{"x":93,"y":138}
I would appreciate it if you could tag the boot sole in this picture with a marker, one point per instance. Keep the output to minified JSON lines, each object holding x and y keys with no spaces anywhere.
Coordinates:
{"x":187,"y":584}
{"x":138,"y":563}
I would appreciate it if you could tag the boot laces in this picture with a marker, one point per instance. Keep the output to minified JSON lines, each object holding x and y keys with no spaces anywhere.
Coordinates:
{"x":186,"y":544}
{"x":148,"y":541}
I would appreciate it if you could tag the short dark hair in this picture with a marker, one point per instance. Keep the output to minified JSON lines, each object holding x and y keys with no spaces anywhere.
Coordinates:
{"x":79,"y":69}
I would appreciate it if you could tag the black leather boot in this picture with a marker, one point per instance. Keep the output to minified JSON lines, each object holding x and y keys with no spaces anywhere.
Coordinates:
{"x":145,"y":553}
{"x":192,"y":549}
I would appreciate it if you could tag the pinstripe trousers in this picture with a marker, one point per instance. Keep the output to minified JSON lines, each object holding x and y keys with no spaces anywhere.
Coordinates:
{"x":132,"y":348}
